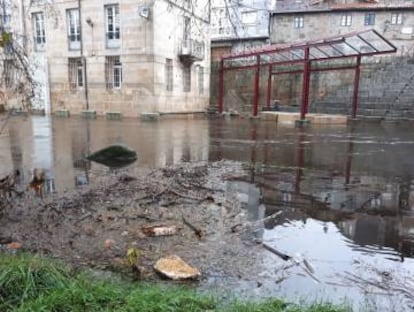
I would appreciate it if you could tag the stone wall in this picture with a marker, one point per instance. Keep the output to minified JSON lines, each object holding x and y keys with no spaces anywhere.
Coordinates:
{"x":386,"y":89}
{"x":326,"y":24}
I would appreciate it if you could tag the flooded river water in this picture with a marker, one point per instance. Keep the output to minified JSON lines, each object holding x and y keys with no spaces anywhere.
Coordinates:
{"x":345,"y":194}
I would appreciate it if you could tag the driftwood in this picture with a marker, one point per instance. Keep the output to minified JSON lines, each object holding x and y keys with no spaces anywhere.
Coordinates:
{"x":304,"y":264}
{"x":196,"y":230}
{"x":239,"y":227}
{"x":85,"y":216}
{"x":186,"y":196}
{"x":276,"y":252}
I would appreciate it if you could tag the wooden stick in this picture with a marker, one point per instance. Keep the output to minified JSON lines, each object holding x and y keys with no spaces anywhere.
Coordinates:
{"x":197,"y":231}
{"x":276,"y":252}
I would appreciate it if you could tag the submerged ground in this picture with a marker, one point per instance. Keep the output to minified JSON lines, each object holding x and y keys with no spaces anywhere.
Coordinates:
{"x":335,"y":200}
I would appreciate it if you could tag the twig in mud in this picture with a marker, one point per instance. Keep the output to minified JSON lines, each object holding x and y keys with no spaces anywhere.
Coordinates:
{"x":197,"y":185}
{"x":146,"y":217}
{"x":385,"y":286}
{"x":154,"y":196}
{"x":186,"y":196}
{"x":85,"y":216}
{"x":196,"y":231}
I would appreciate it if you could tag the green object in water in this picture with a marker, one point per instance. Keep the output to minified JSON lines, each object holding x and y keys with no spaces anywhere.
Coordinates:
{"x":114,"y":156}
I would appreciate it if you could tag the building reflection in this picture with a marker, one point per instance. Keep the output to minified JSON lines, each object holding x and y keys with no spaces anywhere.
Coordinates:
{"x":157,"y":144}
{"x":307,"y":178}
{"x":293,"y":172}
{"x":28,"y":142}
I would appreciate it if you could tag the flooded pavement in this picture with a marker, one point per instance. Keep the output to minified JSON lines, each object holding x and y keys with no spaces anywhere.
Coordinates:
{"x":343,"y":198}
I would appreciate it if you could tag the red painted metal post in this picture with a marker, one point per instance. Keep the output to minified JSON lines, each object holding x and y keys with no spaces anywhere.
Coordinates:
{"x":300,"y":160}
{"x":305,"y":85}
{"x":256,"y":87}
{"x":269,"y":87}
{"x":221,"y":87}
{"x":356,"y":87}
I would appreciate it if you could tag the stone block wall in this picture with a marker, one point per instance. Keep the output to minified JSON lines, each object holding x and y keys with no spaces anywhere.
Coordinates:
{"x":386,"y":89}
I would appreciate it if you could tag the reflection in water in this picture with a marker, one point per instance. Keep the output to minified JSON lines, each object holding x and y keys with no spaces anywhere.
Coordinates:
{"x":60,"y":145}
{"x":346,"y":197}
{"x":346,"y":193}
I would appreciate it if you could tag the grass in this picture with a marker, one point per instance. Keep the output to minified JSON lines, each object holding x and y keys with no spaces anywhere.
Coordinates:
{"x":32,"y":284}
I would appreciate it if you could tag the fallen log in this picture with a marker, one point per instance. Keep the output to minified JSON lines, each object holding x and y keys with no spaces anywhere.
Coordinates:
{"x":276,"y":252}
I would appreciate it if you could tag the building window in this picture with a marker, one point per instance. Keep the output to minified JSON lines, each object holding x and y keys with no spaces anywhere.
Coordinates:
{"x":396,"y":18}
{"x":370,"y":19}
{"x":346,"y":20}
{"x":6,"y":20}
{"x":249,"y":17}
{"x":74,"y":35}
{"x":187,"y":79}
{"x":201,"y":79}
{"x":113,"y":32}
{"x":39,"y":30}
{"x":168,"y":75}
{"x":187,"y":28}
{"x":76,"y":77}
{"x":113,"y":72}
{"x":299,"y":21}
{"x":8,"y":73}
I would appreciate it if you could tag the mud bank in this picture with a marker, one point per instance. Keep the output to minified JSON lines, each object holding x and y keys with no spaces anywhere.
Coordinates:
{"x":96,"y":225}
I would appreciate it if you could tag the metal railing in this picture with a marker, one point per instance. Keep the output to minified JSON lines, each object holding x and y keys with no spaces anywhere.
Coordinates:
{"x":192,"y":48}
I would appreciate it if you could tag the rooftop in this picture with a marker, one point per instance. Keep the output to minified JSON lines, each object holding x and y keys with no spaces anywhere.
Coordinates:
{"x":294,"y":6}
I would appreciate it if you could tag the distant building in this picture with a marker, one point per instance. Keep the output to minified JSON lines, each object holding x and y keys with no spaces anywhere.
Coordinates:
{"x":239,"y":25}
{"x":313,"y":19}
{"x":125,"y":56}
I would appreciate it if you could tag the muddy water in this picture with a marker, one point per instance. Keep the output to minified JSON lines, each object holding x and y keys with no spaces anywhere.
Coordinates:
{"x":345,"y":195}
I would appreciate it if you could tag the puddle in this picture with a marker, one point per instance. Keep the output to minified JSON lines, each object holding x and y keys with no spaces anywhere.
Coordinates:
{"x":344,"y":196}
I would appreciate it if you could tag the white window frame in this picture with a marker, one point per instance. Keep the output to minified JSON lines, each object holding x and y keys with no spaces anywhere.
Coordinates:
{"x":76,"y":73}
{"x":112,"y":26}
{"x":201,"y":79}
{"x":369,"y":19}
{"x":74,"y":35}
{"x":396,"y":18}
{"x":117,"y":76}
{"x":346,"y":20}
{"x":39,"y":33}
{"x":187,"y":79}
{"x":113,"y":72}
{"x":9,"y":73}
{"x":249,"y":17}
{"x":299,"y":21}
{"x":169,"y":75}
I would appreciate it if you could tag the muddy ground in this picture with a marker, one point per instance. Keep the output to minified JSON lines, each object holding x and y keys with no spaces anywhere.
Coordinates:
{"x":95,"y":226}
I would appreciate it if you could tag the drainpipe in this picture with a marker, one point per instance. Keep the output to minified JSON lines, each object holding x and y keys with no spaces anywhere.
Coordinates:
{"x":85,"y":76}
{"x":23,"y":25}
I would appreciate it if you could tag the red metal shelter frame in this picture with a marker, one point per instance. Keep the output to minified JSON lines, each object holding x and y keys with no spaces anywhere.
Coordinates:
{"x":352,"y":46}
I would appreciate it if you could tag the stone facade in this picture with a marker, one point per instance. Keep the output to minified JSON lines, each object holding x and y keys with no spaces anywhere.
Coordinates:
{"x":153,"y":57}
{"x":239,"y":26}
{"x":300,"y":20}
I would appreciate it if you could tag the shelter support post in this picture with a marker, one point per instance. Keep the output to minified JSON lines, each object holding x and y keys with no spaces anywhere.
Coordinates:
{"x":256,"y":87}
{"x":269,"y":87}
{"x":356,"y":86}
{"x":300,"y":160}
{"x":305,"y":84}
{"x":221,"y":87}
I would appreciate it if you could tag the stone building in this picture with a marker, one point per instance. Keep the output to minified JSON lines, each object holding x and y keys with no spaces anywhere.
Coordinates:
{"x":124,"y":56}
{"x":301,"y":20}
{"x":239,"y":25}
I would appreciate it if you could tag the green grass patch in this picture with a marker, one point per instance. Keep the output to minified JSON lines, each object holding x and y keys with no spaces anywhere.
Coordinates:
{"x":33,"y":284}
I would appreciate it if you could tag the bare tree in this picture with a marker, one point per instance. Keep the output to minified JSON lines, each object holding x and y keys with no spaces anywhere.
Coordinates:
{"x":17,"y":68}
